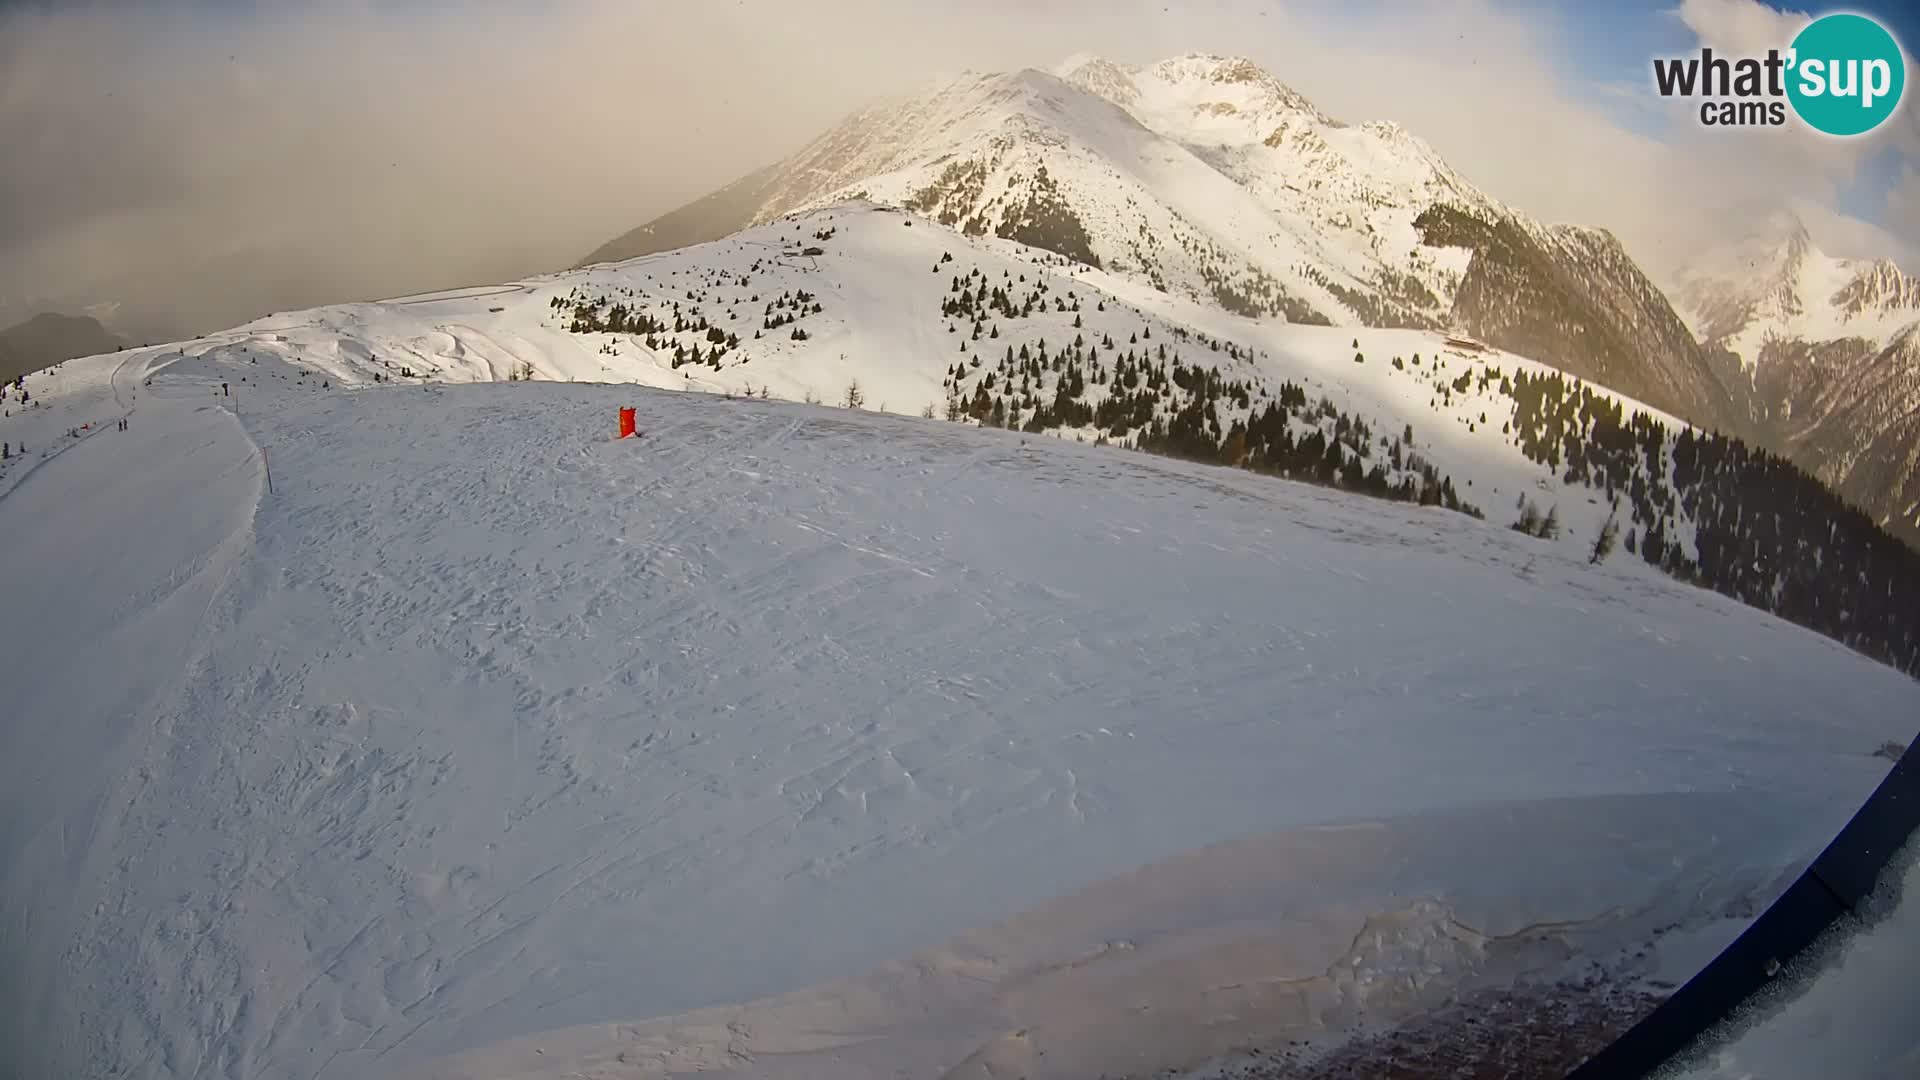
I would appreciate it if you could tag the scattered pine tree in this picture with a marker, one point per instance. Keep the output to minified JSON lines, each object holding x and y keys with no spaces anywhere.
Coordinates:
{"x":1609,"y":533}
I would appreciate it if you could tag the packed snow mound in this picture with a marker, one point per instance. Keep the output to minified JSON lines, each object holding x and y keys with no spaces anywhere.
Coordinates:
{"x":359,"y":725}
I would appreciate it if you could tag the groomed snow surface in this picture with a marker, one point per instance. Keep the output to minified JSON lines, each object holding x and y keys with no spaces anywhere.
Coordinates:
{"x":485,"y":745}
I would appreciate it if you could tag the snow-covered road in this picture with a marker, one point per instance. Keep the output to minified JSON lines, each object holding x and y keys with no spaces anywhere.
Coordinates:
{"x":484,"y":724}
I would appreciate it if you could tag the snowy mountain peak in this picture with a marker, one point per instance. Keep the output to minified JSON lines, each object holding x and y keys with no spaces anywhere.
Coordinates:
{"x":1792,"y":247}
{"x":1820,"y":351}
{"x":1214,"y":99}
{"x":1798,"y":243}
{"x":1388,"y":131}
{"x":1204,"y":177}
{"x":1771,"y":248}
{"x":1216,"y":70}
{"x":1777,"y":284}
{"x":1782,"y":231}
{"x":1100,"y":77}
{"x":1216,"y":88}
{"x":1879,"y":286}
{"x":1212,"y":66}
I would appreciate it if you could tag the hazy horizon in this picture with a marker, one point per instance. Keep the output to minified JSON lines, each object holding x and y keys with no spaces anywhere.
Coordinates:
{"x":179,"y":170}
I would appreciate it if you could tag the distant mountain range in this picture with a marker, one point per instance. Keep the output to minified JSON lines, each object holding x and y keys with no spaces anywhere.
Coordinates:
{"x":1208,"y":179}
{"x":49,"y":338}
{"x":1824,"y":356}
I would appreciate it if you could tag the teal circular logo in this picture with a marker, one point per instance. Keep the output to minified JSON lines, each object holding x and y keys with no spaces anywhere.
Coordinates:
{"x":1846,"y":74}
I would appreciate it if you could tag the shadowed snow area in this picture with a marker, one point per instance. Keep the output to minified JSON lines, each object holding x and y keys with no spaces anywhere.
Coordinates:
{"x":1300,"y":936}
{"x":483,"y":725}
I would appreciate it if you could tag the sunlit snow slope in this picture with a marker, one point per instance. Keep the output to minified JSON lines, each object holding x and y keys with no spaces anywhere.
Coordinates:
{"x":480,"y":724}
{"x":805,"y":308}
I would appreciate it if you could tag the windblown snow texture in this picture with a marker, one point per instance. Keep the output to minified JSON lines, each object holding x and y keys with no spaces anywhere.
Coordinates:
{"x":485,"y":724}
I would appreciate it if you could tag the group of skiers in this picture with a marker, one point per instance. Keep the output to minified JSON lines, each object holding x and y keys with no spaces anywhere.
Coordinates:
{"x":8,"y":451}
{"x":19,"y":383}
{"x":119,"y":425}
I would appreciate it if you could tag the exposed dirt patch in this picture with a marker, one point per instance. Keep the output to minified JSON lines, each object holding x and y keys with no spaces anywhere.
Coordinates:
{"x":1514,"y":1034}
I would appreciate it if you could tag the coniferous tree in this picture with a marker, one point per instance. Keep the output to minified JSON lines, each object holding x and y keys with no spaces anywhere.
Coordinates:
{"x":1529,"y":520}
{"x":1609,"y":532}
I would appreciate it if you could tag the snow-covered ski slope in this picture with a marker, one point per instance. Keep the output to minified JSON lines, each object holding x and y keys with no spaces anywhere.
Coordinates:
{"x":883,"y":283}
{"x":482,"y":725}
{"x":65,"y":404}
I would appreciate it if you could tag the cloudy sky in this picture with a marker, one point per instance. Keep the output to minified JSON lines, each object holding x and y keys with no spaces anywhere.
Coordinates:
{"x":180,"y":166}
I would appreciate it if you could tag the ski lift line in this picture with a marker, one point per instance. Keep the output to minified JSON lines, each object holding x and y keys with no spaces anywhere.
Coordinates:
{"x":1832,"y":888}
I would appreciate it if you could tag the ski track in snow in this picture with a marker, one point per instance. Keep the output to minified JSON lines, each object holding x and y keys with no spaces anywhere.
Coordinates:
{"x":484,"y":724}
{"x":72,"y":396}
